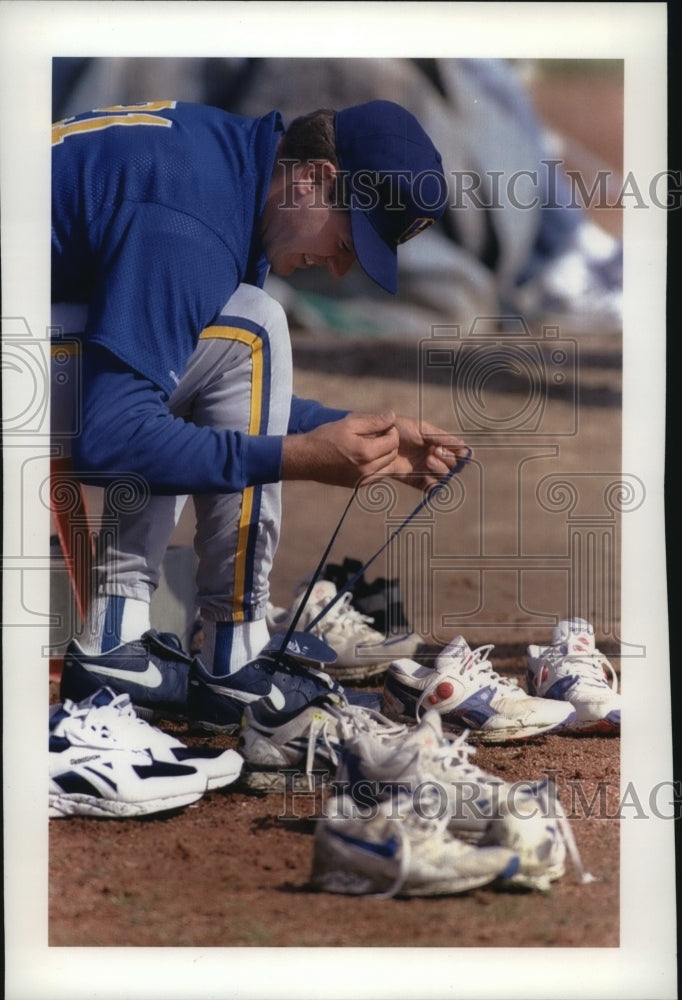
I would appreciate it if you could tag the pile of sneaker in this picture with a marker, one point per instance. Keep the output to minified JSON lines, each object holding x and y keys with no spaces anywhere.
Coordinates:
{"x":105,"y":761}
{"x":417,"y":818}
{"x":407,"y":811}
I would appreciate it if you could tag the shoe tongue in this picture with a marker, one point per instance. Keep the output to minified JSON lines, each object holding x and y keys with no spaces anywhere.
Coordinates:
{"x":574,"y":635}
{"x":302,"y":646}
{"x":458,"y":649}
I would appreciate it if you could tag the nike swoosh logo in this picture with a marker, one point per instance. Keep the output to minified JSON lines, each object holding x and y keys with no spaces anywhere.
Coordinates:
{"x":151,"y":677}
{"x":274,"y":694}
{"x":387,"y":849}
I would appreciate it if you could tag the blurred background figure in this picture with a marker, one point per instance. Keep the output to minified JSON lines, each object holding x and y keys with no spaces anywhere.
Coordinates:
{"x":516,"y":238}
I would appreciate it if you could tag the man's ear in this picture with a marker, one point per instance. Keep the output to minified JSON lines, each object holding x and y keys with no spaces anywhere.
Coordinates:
{"x":315,"y":173}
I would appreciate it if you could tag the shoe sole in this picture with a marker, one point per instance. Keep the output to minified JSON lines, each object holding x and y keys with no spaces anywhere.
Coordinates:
{"x":600,"y":727}
{"x":285,"y":780}
{"x":483,"y":735}
{"x":509,"y":735}
{"x":348,"y":884}
{"x":358,"y":675}
{"x":61,"y":807}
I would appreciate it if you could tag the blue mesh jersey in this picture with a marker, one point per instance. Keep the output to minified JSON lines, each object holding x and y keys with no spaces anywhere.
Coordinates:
{"x":155,"y":212}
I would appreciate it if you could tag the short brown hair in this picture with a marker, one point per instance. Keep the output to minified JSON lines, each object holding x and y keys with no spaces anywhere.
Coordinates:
{"x":312,"y":137}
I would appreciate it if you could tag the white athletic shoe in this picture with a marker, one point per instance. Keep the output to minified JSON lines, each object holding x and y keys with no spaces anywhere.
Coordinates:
{"x":105,"y":711}
{"x":438,"y":777}
{"x":533,"y":824}
{"x":362,"y":652}
{"x":423,"y":761}
{"x":468,"y":694}
{"x":286,"y":749}
{"x":572,"y":671}
{"x":93,"y":773}
{"x":397,"y":850}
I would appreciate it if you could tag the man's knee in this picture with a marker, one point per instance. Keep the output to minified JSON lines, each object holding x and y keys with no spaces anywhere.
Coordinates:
{"x":252,"y":303}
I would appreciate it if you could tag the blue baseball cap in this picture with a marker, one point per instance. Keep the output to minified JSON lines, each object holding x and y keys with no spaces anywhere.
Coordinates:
{"x":394,"y":180}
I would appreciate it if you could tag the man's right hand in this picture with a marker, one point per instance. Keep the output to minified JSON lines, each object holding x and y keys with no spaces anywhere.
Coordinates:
{"x":343,"y":452}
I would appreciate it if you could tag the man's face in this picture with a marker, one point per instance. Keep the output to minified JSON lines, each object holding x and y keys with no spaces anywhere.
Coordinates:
{"x":299,"y":227}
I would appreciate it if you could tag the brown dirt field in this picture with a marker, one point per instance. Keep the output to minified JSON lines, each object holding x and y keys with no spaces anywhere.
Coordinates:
{"x":233,"y":872}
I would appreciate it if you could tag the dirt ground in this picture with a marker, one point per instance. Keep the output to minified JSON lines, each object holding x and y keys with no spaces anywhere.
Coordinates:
{"x":495,"y":564}
{"x":236,"y":865}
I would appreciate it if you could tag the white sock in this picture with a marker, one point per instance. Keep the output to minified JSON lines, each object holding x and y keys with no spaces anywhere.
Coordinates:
{"x":228,"y":646}
{"x":112,"y":620}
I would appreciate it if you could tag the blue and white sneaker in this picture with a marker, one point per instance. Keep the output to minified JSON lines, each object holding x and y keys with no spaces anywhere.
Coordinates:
{"x":288,"y":681}
{"x":162,"y":681}
{"x":534,"y":825}
{"x":397,"y":850}
{"x":154,"y":672}
{"x":107,"y":713}
{"x":423,"y":761}
{"x":469,"y":695}
{"x":571,"y":670}
{"x":287,"y":749}
{"x":93,"y":772}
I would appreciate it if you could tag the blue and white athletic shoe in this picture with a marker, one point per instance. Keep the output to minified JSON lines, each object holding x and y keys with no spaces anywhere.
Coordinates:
{"x":371,"y":769}
{"x":573,"y":671}
{"x":397,"y":850}
{"x":106,"y":713}
{"x":154,"y":672}
{"x":162,"y":681}
{"x":287,"y":749}
{"x":468,"y":694}
{"x":94,"y":772}
{"x":288,"y":682}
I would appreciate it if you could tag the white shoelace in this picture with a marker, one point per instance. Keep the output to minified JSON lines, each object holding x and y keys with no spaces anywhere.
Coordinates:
{"x":344,"y":616}
{"x":410,"y":826}
{"x":454,"y":755}
{"x":592,"y":668}
{"x":103,"y":721}
{"x":565,"y":832}
{"x":584,"y":877}
{"x":339,"y":720}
